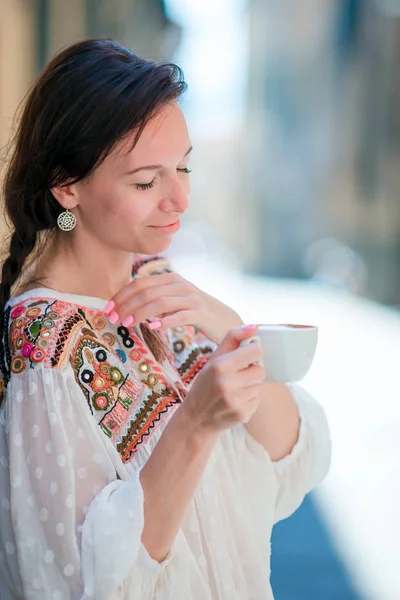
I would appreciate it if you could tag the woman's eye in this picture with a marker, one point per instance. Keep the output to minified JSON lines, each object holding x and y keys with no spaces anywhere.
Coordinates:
{"x":145,"y":186}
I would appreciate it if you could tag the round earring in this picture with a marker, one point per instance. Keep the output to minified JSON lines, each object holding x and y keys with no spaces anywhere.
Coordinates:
{"x":66,"y":220}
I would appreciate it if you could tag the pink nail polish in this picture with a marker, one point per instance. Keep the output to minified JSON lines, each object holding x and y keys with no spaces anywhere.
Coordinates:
{"x":155,"y":325}
{"x":113,"y":317}
{"x":109,"y":306}
{"x":128,"y":321}
{"x":248,"y":327}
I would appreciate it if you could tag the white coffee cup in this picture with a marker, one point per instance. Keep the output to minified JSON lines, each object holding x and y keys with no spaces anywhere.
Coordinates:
{"x":288,"y":350}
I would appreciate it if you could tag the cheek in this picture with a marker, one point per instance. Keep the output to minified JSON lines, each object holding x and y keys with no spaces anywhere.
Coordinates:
{"x":122,"y":205}
{"x":133,"y":207}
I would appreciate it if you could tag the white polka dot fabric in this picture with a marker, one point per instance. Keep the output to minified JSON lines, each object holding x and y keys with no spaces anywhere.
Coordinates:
{"x":43,"y":500}
{"x":71,"y":513}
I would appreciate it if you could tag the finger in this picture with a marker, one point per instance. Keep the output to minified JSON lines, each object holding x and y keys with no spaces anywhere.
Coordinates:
{"x":179,"y":319}
{"x":135,"y":297}
{"x":142,"y":298}
{"x":242,"y":381}
{"x":252,"y":375}
{"x":161,"y":306}
{"x":242,"y":357}
{"x":144,"y":283}
{"x":234,"y":337}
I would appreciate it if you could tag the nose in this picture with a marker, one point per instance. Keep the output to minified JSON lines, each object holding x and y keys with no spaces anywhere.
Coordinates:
{"x":177,"y":197}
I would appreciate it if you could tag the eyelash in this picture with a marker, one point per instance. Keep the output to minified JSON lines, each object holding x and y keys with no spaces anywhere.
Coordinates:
{"x":147,"y":186}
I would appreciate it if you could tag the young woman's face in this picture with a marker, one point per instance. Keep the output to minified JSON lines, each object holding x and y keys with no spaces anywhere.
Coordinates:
{"x":133,"y":196}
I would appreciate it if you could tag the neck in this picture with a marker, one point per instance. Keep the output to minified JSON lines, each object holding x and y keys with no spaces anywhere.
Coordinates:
{"x":78,"y":265}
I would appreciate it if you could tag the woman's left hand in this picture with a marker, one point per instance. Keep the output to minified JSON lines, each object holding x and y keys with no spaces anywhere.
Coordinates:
{"x":173,"y":301}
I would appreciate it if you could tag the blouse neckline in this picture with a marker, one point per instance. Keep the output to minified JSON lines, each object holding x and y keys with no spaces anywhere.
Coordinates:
{"x":43,"y":292}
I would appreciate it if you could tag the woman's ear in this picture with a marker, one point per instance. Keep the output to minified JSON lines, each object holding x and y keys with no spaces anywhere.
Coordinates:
{"x":66,"y":195}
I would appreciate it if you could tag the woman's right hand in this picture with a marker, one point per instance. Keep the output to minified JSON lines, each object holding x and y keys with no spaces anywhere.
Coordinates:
{"x":226,"y":392}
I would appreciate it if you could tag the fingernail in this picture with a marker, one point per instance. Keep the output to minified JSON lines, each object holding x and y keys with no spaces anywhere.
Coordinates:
{"x":114,"y":317}
{"x":248,"y":327}
{"x":155,"y":325}
{"x":109,"y":306}
{"x":128,"y":321}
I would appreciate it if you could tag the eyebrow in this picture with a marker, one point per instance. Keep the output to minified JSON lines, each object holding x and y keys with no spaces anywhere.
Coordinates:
{"x":152,"y":167}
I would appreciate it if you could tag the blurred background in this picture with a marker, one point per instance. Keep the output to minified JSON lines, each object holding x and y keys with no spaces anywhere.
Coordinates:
{"x":294,"y":115}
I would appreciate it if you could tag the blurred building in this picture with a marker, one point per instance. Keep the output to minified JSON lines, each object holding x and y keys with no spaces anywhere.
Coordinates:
{"x":290,"y":130}
{"x":17,"y":58}
{"x":323,"y":137}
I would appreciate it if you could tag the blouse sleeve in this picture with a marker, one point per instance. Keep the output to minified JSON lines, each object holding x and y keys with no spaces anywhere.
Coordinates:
{"x":76,"y":509}
{"x":282,"y":485}
{"x":308,"y":463}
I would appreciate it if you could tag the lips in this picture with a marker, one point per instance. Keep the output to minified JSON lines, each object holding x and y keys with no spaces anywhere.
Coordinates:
{"x":168,"y":225}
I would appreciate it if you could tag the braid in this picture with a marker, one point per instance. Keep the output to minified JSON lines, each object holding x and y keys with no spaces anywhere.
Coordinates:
{"x":20,"y":248}
{"x":153,"y":341}
{"x":5,"y":358}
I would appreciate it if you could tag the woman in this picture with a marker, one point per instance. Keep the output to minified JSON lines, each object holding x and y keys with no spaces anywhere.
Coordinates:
{"x":141,"y":456}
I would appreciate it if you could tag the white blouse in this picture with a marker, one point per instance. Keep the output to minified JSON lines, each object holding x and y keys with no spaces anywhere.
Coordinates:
{"x":71,"y":510}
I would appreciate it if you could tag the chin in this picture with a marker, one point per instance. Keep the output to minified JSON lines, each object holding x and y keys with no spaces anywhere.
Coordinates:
{"x":150,"y":247}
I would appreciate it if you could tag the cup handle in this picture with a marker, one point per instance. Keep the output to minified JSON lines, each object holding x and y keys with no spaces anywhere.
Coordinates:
{"x":251,"y":340}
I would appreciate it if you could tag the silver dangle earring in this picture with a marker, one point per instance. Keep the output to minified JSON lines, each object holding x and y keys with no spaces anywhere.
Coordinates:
{"x":66,"y":220}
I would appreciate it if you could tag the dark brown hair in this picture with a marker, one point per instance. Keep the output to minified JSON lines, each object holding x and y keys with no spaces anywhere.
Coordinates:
{"x":87,"y":99}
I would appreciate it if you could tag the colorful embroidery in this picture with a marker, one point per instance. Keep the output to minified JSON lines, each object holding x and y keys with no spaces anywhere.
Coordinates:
{"x":99,"y":322}
{"x":126,"y":390}
{"x":66,"y":331}
{"x":109,"y":339}
{"x":127,"y":411}
{"x":17,"y":364}
{"x":127,"y":341}
{"x":154,"y":408}
{"x":17,"y":312}
{"x":128,"y":404}
{"x":143,"y":264}
{"x":121,"y":355}
{"x":101,"y":401}
{"x":194,"y":363}
{"x":190,"y":352}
